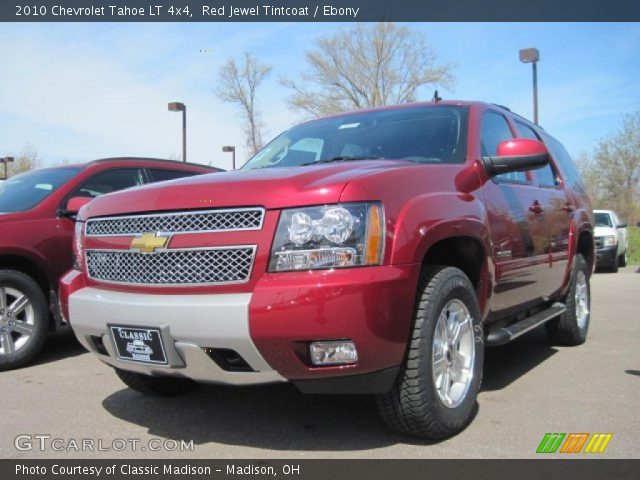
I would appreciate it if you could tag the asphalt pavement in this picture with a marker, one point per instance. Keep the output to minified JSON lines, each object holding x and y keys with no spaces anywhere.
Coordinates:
{"x":530,"y":388}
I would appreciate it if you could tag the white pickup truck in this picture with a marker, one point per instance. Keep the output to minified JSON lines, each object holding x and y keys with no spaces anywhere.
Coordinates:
{"x":611,"y":240}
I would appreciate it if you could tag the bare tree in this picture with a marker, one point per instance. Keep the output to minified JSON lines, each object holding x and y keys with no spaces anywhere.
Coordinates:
{"x":366,"y":66}
{"x":613,"y":174}
{"x":27,"y":160}
{"x":238,"y":82}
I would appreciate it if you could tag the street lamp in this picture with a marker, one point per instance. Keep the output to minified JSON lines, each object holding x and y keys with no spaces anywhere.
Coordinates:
{"x":532,"y":56}
{"x":6,"y":161}
{"x":181,"y":107}
{"x":232,"y":149}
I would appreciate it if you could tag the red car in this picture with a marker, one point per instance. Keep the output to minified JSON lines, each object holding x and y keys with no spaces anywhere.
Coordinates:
{"x":374,"y":252}
{"x":37,"y":212}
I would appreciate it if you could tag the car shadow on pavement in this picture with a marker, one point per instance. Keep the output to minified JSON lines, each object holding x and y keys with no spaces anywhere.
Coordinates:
{"x":274,"y":417}
{"x":505,"y":364}
{"x":633,"y":372}
{"x":58,"y":346}
{"x":279,"y":417}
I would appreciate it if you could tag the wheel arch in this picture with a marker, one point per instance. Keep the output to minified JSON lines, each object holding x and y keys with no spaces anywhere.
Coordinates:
{"x":28,"y":266}
{"x":586,"y":247}
{"x":469,"y":254}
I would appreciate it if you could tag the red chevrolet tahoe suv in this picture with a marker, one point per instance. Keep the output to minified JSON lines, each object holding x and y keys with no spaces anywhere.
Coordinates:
{"x":37,"y":211}
{"x":373,"y":252}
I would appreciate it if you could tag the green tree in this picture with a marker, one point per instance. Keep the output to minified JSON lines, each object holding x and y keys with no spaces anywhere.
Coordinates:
{"x":613,"y":175}
{"x":26,"y":160}
{"x":366,"y":66}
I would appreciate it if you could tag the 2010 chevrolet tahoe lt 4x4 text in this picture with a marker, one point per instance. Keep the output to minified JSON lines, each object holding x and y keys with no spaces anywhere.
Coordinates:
{"x":375,"y":252}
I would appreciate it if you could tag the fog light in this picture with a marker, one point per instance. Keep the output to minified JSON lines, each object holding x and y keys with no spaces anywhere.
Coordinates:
{"x":333,"y":353}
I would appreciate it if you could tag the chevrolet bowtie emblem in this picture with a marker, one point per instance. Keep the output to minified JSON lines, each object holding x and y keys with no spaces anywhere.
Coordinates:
{"x":148,"y":242}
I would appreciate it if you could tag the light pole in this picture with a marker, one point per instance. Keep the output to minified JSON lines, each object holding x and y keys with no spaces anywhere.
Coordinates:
{"x":232,"y":149}
{"x":6,"y":161}
{"x":181,"y":107}
{"x":532,"y":56}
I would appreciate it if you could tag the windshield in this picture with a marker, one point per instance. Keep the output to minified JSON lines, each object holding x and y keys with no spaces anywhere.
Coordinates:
{"x":25,"y":191}
{"x":603,"y":220}
{"x":423,"y":134}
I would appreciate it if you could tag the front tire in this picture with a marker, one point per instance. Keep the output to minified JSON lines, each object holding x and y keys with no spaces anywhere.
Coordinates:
{"x":24,"y":319}
{"x":622,"y":260}
{"x":156,"y":386}
{"x":435,"y":393}
{"x":572,"y":326}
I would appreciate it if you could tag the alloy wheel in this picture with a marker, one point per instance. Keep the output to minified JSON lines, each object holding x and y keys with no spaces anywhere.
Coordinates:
{"x":17,"y":320}
{"x":453,"y":355}
{"x":582,"y":300}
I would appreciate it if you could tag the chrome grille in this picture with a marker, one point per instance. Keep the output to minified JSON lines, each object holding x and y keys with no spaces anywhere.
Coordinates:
{"x":179,"y":222}
{"x":207,"y":266}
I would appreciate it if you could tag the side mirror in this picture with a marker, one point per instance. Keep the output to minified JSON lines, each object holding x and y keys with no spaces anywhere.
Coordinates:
{"x":74,"y":204}
{"x":517,"y":155}
{"x":621,"y":225}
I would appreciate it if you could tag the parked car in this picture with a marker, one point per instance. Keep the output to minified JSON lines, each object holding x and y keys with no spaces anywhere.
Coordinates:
{"x":37,"y":211}
{"x":612,"y":240}
{"x":374,"y":252}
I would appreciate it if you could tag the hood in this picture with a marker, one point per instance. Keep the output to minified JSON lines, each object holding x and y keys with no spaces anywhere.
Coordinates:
{"x":604,"y":231}
{"x":272,"y":188}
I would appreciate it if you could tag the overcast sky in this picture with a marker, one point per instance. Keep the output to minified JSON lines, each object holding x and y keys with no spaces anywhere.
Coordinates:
{"x":86,"y":91}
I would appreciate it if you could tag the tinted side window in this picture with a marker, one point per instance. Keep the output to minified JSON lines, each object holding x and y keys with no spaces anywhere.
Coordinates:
{"x":546,"y":175}
{"x":160,"y":175}
{"x":495,"y":129}
{"x":562,"y":158}
{"x":109,"y":181}
{"x":525,"y":131}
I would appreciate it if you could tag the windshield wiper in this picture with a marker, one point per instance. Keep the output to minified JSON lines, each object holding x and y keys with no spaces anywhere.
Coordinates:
{"x":343,"y":158}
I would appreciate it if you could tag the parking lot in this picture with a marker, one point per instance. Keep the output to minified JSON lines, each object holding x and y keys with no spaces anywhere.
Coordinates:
{"x":530,"y":388}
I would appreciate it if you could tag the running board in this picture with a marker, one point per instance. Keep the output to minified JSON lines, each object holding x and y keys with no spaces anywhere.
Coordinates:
{"x":503,"y":335}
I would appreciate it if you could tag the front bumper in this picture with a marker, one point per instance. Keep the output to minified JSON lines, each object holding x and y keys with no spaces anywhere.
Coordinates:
{"x":606,"y":256}
{"x":188,"y":324}
{"x":270,"y":327}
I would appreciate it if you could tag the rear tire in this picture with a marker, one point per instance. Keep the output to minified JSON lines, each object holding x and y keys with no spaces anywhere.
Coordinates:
{"x":418,"y":404}
{"x":156,"y":386}
{"x":572,"y":326}
{"x":24,"y":319}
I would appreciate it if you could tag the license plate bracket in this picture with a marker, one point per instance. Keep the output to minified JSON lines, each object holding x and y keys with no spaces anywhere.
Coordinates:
{"x":139,"y":344}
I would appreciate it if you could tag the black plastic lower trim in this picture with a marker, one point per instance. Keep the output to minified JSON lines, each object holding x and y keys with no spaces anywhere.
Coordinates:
{"x":228,"y":360}
{"x":366,"y":383}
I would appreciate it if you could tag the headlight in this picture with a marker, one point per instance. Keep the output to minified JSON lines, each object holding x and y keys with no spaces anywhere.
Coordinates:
{"x":78,"y":250}
{"x":331,"y":236}
{"x":610,"y":241}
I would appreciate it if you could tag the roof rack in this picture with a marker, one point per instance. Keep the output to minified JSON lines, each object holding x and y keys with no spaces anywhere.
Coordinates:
{"x":516,"y":114}
{"x":501,"y":106}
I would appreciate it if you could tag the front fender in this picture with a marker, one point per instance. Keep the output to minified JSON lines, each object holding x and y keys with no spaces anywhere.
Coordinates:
{"x":430,"y":218}
{"x":34,"y":258}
